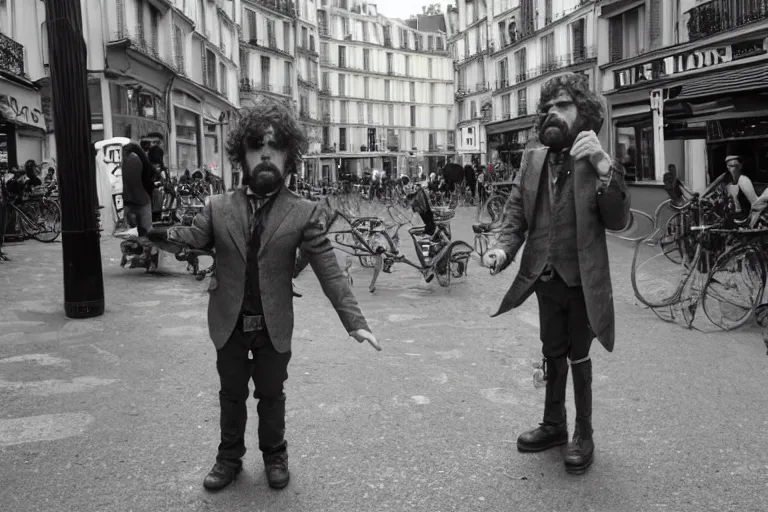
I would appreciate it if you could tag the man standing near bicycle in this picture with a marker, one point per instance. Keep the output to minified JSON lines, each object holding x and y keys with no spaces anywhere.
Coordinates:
{"x":568,"y":192}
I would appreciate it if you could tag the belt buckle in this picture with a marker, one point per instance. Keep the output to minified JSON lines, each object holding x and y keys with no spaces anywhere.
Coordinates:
{"x":252,"y":323}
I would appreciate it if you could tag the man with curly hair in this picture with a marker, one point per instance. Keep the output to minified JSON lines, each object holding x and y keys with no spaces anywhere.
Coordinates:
{"x":256,"y":231}
{"x":568,"y":192}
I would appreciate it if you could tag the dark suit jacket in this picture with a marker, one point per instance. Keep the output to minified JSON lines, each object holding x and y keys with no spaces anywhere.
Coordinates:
{"x":598,"y":207}
{"x":292,"y":223}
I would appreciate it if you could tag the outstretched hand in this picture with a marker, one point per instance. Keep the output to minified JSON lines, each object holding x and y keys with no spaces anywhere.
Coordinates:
{"x":362,"y":335}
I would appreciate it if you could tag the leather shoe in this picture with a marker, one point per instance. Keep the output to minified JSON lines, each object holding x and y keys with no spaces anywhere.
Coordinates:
{"x":276,"y":465}
{"x":580,"y":452}
{"x":543,"y":437}
{"x":220,"y":476}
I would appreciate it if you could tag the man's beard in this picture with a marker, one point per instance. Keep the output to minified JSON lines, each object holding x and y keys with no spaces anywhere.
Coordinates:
{"x":264,"y":179}
{"x":556,"y":134}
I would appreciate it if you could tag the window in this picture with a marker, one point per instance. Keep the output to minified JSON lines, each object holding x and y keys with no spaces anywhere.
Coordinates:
{"x":342,"y":85}
{"x":371,"y":120}
{"x":366,"y":59}
{"x":139,"y":21}
{"x":407,"y":66}
{"x":429,"y":68}
{"x":432,"y":141}
{"x":271,"y":38}
{"x":324,"y":52}
{"x":326,"y":136}
{"x":460,"y":108}
{"x":304,"y":36}
{"x":251,"y":16}
{"x":223,"y":78}
{"x":439,"y":41}
{"x":470,"y":140}
{"x":413,"y":115}
{"x":417,"y":42}
{"x":366,"y":87}
{"x":286,"y":37}
{"x":431,"y":117}
{"x":578,"y":51}
{"x":413,"y":91}
{"x":466,"y":46}
{"x":547,"y":12}
{"x":344,"y":110}
{"x":154,"y":20}
{"x":390,"y":63}
{"x":634,"y":149}
{"x":502,"y":74}
{"x":472,"y":109}
{"x":342,"y":56}
{"x":360,"y":114}
{"x":521,"y":64}
{"x":626,"y":36}
{"x":178,"y":50}
{"x":522,"y":103}
{"x":304,"y":105}
{"x":503,"y":33}
{"x":366,"y":35}
{"x":548,"y":52}
{"x":432,"y":93}
{"x":345,"y":30}
{"x":386,"y":90}
{"x":287,"y":79}
{"x":326,"y":81}
{"x":210,"y":59}
{"x":311,"y":43}
{"x":391,"y":114}
{"x":430,"y":43}
{"x":342,"y":139}
{"x":506,"y":102}
{"x":200,"y":15}
{"x":265,"y":73}
{"x":413,"y":139}
{"x":449,"y":137}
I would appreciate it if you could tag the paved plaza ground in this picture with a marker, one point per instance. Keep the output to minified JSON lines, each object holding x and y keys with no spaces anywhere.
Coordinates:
{"x":120,"y":413}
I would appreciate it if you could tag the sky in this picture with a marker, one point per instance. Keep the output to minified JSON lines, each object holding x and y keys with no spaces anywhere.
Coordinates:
{"x":404,"y":8}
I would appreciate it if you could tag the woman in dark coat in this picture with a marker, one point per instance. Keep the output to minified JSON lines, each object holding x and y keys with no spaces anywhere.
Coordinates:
{"x":138,"y":186}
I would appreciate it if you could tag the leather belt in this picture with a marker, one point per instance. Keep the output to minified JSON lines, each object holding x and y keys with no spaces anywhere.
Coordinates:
{"x":250,"y":323}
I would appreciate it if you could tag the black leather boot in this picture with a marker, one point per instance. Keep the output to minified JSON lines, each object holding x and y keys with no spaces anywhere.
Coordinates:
{"x":220,"y":476}
{"x":580,"y":451}
{"x":272,"y":442}
{"x":553,"y":431}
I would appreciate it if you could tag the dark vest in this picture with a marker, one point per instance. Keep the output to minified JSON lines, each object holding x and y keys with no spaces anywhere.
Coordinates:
{"x":553,"y":234}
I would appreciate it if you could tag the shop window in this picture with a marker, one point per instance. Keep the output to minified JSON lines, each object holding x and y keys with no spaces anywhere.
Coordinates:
{"x":147,"y":106}
{"x":634,"y":150}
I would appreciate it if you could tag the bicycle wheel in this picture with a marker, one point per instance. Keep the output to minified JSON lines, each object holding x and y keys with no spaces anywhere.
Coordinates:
{"x":734,"y":288}
{"x":49,"y":222}
{"x":657,"y":280}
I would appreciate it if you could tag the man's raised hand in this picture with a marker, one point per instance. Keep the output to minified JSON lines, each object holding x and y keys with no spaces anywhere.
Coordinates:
{"x":587,"y":145}
{"x":362,"y":335}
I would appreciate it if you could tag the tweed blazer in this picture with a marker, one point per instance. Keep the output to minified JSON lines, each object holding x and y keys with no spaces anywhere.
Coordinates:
{"x":597,"y":207}
{"x":292,"y":223}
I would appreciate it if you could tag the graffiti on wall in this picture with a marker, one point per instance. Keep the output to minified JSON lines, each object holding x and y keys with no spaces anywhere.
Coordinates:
{"x":13,"y":111}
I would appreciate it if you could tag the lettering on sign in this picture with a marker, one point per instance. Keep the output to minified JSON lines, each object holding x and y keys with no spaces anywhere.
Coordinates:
{"x":688,"y":61}
{"x":10,"y":109}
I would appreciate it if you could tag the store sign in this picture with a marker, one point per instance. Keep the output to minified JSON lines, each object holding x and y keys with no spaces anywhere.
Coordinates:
{"x":21,"y":111}
{"x":705,"y":58}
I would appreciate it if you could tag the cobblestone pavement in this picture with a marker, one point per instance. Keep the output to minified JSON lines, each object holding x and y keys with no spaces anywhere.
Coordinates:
{"x":120,"y":413}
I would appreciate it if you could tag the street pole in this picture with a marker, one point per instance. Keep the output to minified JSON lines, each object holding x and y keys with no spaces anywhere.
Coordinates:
{"x":81,"y":252}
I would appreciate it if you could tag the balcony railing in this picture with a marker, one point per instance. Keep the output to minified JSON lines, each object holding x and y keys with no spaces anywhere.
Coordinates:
{"x":388,"y":42}
{"x":718,"y":16}
{"x":282,"y":6}
{"x":248,"y":85}
{"x":325,"y":91}
{"x":270,"y":45}
{"x":141,"y":45}
{"x":326,"y":118}
{"x":288,"y":90}
{"x":522,"y":108}
{"x":307,"y":83}
{"x":323,"y":29}
{"x":11,"y":55}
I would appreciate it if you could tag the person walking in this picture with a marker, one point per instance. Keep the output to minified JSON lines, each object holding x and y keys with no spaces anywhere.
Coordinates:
{"x":568,"y":192}
{"x":256,"y":231}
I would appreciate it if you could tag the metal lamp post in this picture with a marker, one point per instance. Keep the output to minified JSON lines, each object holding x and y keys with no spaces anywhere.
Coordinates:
{"x":81,"y":252}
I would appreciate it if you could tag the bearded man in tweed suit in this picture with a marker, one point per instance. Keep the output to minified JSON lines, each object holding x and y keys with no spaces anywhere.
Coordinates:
{"x":256,"y":232}
{"x":569,"y":191}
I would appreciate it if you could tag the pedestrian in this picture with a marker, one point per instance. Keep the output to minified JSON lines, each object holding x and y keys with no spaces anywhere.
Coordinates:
{"x":256,"y":231}
{"x":138,"y":187}
{"x":471,"y":181}
{"x":567,"y":194}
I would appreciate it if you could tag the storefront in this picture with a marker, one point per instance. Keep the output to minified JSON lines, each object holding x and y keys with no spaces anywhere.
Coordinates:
{"x":137,"y":112}
{"x":187,"y":125}
{"x":507,"y":139}
{"x":22,"y":126}
{"x":692,"y":101}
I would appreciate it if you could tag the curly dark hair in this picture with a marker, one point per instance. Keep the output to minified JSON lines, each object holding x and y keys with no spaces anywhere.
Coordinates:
{"x":251,"y":125}
{"x":590,"y":107}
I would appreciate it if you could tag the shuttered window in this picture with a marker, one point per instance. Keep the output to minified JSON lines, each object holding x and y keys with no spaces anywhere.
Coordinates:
{"x":654,"y":24}
{"x":616,"y":39}
{"x":251,"y":15}
{"x":577,"y":35}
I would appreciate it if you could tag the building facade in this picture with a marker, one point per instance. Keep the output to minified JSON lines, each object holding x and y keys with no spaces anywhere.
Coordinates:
{"x":385,"y":93}
{"x":22,"y":121}
{"x":532,"y":41}
{"x":469,"y":46}
{"x":683,"y":80}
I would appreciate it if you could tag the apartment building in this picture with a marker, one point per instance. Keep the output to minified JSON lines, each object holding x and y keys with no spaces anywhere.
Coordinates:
{"x":386,"y":93}
{"x":469,"y":38}
{"x":307,"y":78}
{"x":158,"y":69}
{"x":683,"y":81}
{"x":22,"y":121}
{"x":532,"y":41}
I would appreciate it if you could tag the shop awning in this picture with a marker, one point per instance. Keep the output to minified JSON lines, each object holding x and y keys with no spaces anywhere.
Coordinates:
{"x":518,"y":123}
{"x":726,"y":82}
